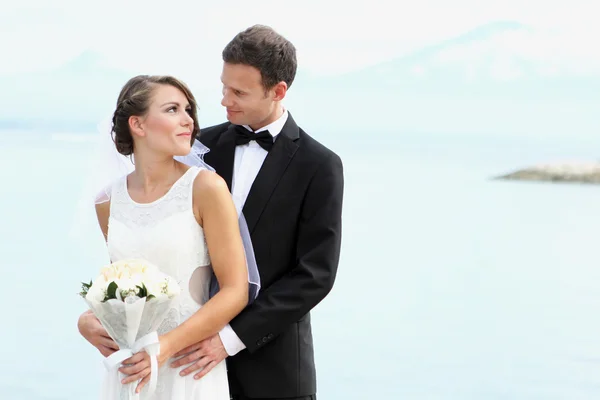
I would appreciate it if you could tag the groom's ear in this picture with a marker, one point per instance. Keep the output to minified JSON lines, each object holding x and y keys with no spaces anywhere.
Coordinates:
{"x":135,"y":126}
{"x":279,"y":91}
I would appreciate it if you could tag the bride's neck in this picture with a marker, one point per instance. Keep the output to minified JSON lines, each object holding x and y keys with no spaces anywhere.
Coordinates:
{"x":150,"y":172}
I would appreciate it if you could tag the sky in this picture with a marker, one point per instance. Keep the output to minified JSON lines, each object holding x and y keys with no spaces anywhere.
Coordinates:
{"x":332,"y":36}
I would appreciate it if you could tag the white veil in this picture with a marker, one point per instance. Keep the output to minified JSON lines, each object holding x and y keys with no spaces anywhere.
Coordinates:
{"x":107,"y":165}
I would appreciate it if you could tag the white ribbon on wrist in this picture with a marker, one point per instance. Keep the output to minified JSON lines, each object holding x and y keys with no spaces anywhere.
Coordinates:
{"x":151,"y":345}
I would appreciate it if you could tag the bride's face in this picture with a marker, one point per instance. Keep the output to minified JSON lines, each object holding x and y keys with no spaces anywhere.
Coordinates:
{"x":167,"y":127}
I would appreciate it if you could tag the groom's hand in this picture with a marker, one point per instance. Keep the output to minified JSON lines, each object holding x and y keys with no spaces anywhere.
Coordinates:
{"x":93,"y":331}
{"x":203,"y":355}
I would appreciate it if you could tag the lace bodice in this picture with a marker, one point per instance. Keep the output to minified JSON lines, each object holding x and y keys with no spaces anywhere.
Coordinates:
{"x":166,"y":233}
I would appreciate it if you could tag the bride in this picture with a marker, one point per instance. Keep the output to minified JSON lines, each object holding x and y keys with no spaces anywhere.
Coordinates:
{"x":180,"y":217}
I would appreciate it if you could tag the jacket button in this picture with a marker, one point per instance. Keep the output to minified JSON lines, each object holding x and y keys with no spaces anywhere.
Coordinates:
{"x":270,"y":336}
{"x":265,"y":340}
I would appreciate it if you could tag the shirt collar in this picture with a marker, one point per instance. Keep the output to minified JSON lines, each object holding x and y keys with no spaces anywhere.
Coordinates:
{"x":274,"y":127}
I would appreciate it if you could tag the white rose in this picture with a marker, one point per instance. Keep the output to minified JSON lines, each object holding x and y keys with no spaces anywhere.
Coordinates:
{"x":141,"y":267}
{"x":124,"y":284}
{"x":98,"y":289}
{"x":154,"y":286}
{"x":109,"y":273}
{"x":163,"y":285}
{"x":169,"y":287}
{"x":173,"y":288}
{"x":123,"y":269}
{"x":130,"y":273}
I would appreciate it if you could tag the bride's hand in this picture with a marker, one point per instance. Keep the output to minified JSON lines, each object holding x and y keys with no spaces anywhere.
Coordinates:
{"x":137,"y":367}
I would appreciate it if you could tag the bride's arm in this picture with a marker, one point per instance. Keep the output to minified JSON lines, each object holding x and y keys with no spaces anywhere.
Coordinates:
{"x":216,"y":213}
{"x":102,"y":213}
{"x":88,"y":324}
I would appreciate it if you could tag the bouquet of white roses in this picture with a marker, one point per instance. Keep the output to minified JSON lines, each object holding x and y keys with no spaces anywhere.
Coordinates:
{"x":131,"y":298}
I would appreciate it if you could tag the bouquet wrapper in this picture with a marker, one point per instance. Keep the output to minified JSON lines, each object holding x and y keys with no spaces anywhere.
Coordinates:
{"x":133,"y":325}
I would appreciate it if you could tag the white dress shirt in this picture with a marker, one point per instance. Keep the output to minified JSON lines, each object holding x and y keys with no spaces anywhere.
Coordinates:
{"x":247,"y":162}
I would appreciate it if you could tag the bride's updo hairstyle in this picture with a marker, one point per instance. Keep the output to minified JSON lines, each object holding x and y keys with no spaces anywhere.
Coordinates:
{"x":135,"y":99}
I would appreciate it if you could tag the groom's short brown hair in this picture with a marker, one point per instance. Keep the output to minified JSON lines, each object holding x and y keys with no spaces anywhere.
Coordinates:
{"x":266,"y":50}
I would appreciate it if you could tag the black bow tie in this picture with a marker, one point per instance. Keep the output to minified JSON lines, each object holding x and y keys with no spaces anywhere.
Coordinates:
{"x":243,"y":136}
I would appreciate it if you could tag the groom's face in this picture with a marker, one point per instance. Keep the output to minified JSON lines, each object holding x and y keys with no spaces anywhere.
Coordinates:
{"x":244,"y":97}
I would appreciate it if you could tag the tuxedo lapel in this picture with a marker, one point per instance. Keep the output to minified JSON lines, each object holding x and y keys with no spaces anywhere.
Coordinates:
{"x":270,"y":173}
{"x":221,"y":156}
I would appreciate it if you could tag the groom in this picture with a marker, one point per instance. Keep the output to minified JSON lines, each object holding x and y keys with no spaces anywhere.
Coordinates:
{"x":291,"y":189}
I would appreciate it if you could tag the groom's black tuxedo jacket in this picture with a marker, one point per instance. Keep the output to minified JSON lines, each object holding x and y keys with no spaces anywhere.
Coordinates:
{"x":294,"y":213}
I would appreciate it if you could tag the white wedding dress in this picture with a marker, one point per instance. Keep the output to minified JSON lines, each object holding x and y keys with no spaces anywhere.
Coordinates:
{"x":166,"y":233}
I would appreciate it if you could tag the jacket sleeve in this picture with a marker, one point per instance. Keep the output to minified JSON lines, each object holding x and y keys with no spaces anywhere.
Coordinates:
{"x":291,"y":297}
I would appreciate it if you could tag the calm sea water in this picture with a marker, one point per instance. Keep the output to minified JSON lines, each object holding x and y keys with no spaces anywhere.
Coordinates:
{"x":451,"y":286}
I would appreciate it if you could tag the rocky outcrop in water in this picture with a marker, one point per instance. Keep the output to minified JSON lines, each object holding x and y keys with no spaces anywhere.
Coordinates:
{"x":574,"y":172}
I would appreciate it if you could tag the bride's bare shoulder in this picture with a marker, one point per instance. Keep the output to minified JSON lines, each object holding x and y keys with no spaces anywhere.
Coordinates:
{"x":209,"y":180}
{"x":209,"y":185}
